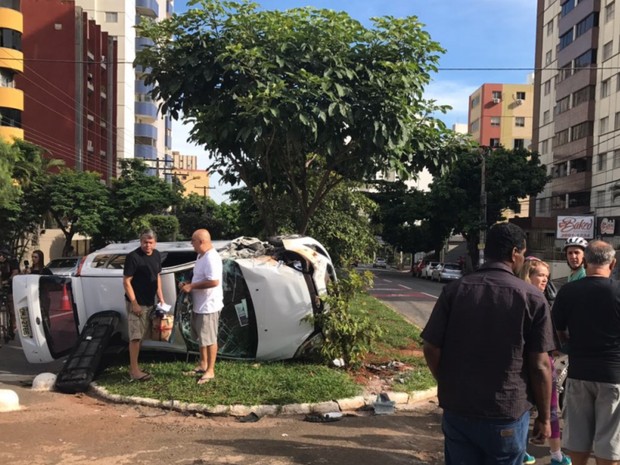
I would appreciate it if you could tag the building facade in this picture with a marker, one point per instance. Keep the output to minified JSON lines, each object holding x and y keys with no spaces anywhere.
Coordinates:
{"x":501,"y":114}
{"x":143,"y":132}
{"x":185,"y":170}
{"x":69,"y":83}
{"x":577,"y":112}
{"x":11,"y":64}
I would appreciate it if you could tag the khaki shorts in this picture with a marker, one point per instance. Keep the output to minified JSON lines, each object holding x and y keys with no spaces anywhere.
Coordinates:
{"x":139,"y":327}
{"x":592,"y":418}
{"x":204,"y":328}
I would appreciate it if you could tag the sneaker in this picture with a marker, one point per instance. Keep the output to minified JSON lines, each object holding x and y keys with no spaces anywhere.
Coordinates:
{"x":565,"y":460}
{"x":529,"y":459}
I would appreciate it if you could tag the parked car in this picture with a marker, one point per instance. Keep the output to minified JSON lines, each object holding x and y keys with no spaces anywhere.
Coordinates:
{"x":380,"y":263}
{"x":65,"y":266}
{"x":428,"y":270}
{"x":447,"y":272}
{"x":270,"y":288}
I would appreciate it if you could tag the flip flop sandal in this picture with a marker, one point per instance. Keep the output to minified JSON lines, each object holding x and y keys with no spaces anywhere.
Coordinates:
{"x":144,"y":377}
{"x":194,"y":372}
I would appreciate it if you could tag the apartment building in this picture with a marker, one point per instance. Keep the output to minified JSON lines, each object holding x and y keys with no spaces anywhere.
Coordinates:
{"x":194,"y":180}
{"x":577,"y":116}
{"x":501,"y":114}
{"x":69,"y":84}
{"x":143,"y":132}
{"x":11,"y":64}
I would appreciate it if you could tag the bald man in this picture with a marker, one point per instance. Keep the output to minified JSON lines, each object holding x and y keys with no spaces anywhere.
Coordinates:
{"x":208,"y":300}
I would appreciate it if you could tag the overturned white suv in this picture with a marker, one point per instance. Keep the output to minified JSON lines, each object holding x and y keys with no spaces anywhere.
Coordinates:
{"x":270,"y":288}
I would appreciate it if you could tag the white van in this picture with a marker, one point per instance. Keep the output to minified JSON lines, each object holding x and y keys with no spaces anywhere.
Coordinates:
{"x":269,"y":290}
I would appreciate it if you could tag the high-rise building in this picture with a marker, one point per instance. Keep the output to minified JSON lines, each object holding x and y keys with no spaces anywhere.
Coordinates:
{"x":143,"y":132}
{"x":186,"y":171}
{"x":11,"y":64}
{"x":69,"y":83}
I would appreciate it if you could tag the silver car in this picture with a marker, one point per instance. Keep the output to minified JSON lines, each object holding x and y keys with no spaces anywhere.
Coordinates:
{"x":270,"y":288}
{"x":447,"y":272}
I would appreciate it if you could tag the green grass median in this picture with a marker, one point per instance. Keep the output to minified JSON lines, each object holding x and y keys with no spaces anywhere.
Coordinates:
{"x":279,"y":383}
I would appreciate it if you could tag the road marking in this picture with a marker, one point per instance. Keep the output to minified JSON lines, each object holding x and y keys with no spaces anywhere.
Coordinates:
{"x":431,"y":295}
{"x":405,"y":287}
{"x":380,"y":294}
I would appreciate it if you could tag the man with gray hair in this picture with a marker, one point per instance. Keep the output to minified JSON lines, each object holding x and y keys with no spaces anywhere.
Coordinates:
{"x":587,"y":317}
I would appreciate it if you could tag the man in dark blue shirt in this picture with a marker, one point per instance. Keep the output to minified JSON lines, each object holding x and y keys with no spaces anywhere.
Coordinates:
{"x":486,"y":344}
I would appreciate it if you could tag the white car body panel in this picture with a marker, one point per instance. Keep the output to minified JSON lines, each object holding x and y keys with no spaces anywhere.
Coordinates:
{"x":280,"y":298}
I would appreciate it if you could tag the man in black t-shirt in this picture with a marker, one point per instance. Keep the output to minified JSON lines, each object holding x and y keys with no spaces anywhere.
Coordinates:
{"x":587,"y":316}
{"x":142,"y":283}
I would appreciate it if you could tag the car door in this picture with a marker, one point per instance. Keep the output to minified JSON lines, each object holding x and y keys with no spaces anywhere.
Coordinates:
{"x":47,"y":310}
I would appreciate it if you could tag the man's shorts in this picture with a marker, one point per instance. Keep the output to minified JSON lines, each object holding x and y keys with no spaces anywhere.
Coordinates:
{"x":592,"y":418}
{"x":138,"y":326}
{"x":204,"y":328}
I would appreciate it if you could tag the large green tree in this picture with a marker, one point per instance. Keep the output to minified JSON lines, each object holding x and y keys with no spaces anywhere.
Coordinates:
{"x":135,"y":194}
{"x":293,"y":103}
{"x":455,"y":197}
{"x":78,"y":201}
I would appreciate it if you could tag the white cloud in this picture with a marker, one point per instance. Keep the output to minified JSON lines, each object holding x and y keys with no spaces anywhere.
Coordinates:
{"x":453,"y":93}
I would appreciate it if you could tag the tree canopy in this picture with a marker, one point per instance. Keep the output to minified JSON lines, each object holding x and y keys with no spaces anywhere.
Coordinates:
{"x":296,"y":102}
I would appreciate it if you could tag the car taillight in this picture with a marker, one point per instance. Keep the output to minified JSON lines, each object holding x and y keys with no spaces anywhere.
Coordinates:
{"x":79,"y":268}
{"x":24,"y":319}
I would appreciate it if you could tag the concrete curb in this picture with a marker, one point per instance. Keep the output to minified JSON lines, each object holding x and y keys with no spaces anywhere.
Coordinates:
{"x":403,"y":401}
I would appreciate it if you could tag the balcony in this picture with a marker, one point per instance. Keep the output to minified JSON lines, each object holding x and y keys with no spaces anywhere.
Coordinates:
{"x":142,"y":88}
{"x":148,"y":8}
{"x":143,"y":42}
{"x":145,"y":152}
{"x":145,"y":130}
{"x":141,"y":70}
{"x":146,"y":110}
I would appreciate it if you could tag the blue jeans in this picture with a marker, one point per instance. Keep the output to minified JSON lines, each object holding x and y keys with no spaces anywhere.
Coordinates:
{"x":476,"y":441}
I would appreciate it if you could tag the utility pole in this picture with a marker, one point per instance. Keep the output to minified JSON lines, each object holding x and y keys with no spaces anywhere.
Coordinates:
{"x":483,"y":207}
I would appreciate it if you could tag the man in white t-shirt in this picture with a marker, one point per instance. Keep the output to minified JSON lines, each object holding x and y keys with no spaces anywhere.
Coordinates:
{"x":208,"y":300}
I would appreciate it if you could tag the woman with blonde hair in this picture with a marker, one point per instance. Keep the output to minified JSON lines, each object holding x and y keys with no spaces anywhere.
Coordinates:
{"x":536,"y":272}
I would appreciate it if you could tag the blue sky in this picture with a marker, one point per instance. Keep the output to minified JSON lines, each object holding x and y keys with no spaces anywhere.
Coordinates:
{"x":485,"y":40}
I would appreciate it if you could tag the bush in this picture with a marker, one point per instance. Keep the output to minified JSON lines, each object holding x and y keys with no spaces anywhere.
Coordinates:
{"x":348,"y":332}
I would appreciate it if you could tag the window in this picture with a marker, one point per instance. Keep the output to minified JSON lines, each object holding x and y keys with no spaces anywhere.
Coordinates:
{"x":602,"y":162}
{"x":583,"y":95}
{"x":566,"y":71}
{"x":610,"y":9}
{"x":10,"y":39}
{"x":616,"y":163}
{"x":547,"y":87}
{"x":474,"y":126}
{"x":618,"y":82}
{"x":519,"y":144}
{"x":111,"y":17}
{"x":549,"y":28}
{"x":566,"y":39}
{"x":520,"y":121}
{"x":520,"y":95}
{"x":586,"y":24}
{"x":603,"y":123}
{"x":475,"y":101}
{"x":548,"y":58}
{"x":608,"y":50}
{"x":581,"y":130}
{"x":586,"y":59}
{"x":600,"y":198}
{"x":560,"y":138}
{"x":567,"y":7}
{"x":497,"y":94}
{"x":10,"y":117}
{"x":617,"y":120}
{"x":495,"y":121}
{"x":544,"y":146}
{"x":562,"y":105}
{"x":546,"y":116}
{"x":7,"y":78}
{"x":494,"y":142}
{"x":605,"y":88}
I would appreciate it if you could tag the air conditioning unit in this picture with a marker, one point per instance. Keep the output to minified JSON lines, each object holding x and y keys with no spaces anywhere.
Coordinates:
{"x":89,"y":146}
{"x":518,"y":101}
{"x":497,"y":100}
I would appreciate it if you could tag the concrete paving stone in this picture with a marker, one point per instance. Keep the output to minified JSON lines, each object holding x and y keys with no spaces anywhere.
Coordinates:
{"x":325,"y":407}
{"x":296,"y":409}
{"x":239,"y":410}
